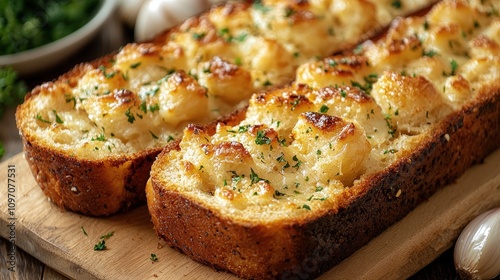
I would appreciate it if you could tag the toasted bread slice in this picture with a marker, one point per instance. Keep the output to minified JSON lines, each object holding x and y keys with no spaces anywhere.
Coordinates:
{"x":315,"y":170}
{"x":91,"y":135}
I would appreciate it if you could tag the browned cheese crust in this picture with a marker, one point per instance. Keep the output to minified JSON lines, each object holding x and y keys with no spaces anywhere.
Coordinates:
{"x":440,"y":122}
{"x":91,"y":136}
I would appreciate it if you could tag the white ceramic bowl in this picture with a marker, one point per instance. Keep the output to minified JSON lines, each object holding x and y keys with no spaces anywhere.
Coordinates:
{"x":37,"y":59}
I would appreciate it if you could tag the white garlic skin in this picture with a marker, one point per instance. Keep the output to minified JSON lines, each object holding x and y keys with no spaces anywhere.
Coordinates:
{"x":156,"y":16}
{"x":477,"y":251}
{"x":128,"y":10}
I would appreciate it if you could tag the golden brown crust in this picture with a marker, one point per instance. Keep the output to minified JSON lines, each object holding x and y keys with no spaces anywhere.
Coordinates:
{"x":90,"y":187}
{"x":307,"y":248}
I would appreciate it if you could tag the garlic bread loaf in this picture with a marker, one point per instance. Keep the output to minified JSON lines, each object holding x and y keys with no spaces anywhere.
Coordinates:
{"x":314,"y":170}
{"x":91,"y":136}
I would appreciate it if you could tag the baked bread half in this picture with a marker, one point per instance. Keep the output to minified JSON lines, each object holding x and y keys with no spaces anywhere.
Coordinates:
{"x":91,"y":136}
{"x":314,"y":170}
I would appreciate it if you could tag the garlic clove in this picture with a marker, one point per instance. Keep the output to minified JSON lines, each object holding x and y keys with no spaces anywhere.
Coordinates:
{"x":156,"y":16}
{"x":477,"y":250}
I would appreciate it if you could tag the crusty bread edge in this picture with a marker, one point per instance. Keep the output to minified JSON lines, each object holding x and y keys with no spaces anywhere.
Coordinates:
{"x":306,"y":248}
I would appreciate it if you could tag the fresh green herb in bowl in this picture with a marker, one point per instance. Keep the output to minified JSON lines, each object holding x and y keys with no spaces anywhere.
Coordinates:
{"x":25,"y":25}
{"x":39,"y":34}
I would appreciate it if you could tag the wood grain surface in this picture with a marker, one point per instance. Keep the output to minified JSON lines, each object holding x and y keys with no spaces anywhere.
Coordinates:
{"x":57,"y":237}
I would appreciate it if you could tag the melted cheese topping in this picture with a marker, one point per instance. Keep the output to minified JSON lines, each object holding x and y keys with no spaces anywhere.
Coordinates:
{"x":147,"y":93}
{"x":300,"y":147}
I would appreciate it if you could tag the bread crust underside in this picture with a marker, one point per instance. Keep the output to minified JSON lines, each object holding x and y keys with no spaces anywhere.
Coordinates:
{"x":308,"y":247}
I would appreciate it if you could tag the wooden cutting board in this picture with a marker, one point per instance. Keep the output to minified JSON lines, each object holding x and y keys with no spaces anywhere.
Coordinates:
{"x":56,"y":237}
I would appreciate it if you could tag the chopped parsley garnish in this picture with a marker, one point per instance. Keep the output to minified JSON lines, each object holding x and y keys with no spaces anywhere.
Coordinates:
{"x":369,"y":81}
{"x":100,"y":246}
{"x":69,"y":98}
{"x":307,"y":207}
{"x":107,"y":235}
{"x":258,"y":6}
{"x":100,"y":137}
{"x":170,"y":138}
{"x":254,"y":178}
{"x":392,"y":151}
{"x":294,"y":103}
{"x":153,"y":91}
{"x":262,"y":138}
{"x":130,"y":116}
{"x":454,"y":66}
{"x":298,"y":162}
{"x":40,"y":118}
{"x":426,"y":25}
{"x":289,"y":12}
{"x":237,"y":61}
{"x":278,"y":193}
{"x":153,"y":257}
{"x":323,"y":109}
{"x":135,"y":65}
{"x":429,"y":53}
{"x":58,"y":119}
{"x":107,"y":75}
{"x":240,"y":38}
{"x":83,"y":230}
{"x":396,"y":4}
{"x":235,"y":177}
{"x":391,"y":130}
{"x":199,"y":36}
{"x":153,"y":135}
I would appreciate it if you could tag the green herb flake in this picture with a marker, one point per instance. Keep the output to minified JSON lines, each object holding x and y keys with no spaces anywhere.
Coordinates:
{"x":153,"y":257}
{"x":107,"y":235}
{"x":107,"y":75}
{"x":135,"y":65}
{"x":430,"y":53}
{"x":454,"y":66}
{"x":40,"y":118}
{"x":100,"y":137}
{"x":307,"y":207}
{"x":298,"y":162}
{"x":254,"y":178}
{"x":396,"y":4}
{"x":262,"y":139}
{"x":199,"y":36}
{"x":130,"y":116}
{"x":240,"y":38}
{"x":278,"y":194}
{"x":100,"y":246}
{"x":323,"y":109}
{"x":153,"y":135}
{"x":238,"y":61}
{"x":58,"y":119}
{"x":83,"y":231}
{"x":257,"y":5}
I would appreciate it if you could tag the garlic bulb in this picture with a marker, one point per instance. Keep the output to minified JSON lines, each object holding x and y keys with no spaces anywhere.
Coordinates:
{"x":156,"y":16}
{"x":477,"y":251}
